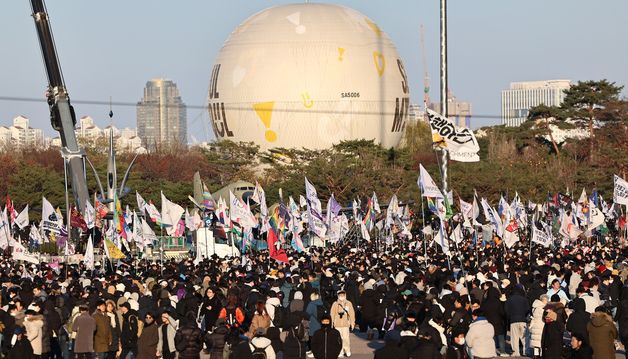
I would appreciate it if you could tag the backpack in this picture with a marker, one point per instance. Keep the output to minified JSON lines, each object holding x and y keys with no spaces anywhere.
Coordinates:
{"x":258,"y":353}
{"x":230,"y":317}
{"x":278,"y":318}
{"x":321,"y":311}
{"x":140,"y":324}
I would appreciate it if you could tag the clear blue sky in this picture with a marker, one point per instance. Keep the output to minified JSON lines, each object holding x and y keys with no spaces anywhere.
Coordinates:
{"x":111,"y":48}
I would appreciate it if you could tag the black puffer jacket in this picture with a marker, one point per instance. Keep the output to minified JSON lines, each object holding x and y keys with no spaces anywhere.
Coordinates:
{"x":293,"y":347}
{"x":189,"y":341}
{"x":578,"y":320}
{"x":494,"y":310}
{"x":216,"y":341}
{"x":326,"y":343}
{"x":368,"y":302}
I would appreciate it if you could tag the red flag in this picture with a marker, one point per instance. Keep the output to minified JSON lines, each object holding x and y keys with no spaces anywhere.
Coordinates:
{"x":275,"y":253}
{"x":10,"y":210}
{"x":76,"y":220}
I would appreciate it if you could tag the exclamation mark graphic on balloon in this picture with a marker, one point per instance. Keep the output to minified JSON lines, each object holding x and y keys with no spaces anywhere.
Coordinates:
{"x":264,"y":111}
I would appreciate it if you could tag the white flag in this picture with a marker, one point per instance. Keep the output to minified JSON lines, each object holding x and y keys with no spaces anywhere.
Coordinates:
{"x":620,"y":192}
{"x":466,"y":209}
{"x":148,"y":234}
{"x":22,"y":219}
{"x":240,"y":213}
{"x":457,"y":234}
{"x":541,"y":237}
{"x":141,"y":203}
{"x":90,"y":215}
{"x":88,"y":258}
{"x":170,"y":214}
{"x":460,"y":142}
{"x":441,"y":238}
{"x":259,"y":196}
{"x":511,"y":236}
{"x":596,"y":218}
{"x":365,"y":232}
{"x":427,"y":185}
{"x":21,"y":254}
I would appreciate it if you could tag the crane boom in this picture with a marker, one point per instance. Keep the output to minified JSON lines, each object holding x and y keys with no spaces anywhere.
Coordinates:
{"x":62,"y":114}
{"x":426,"y":77}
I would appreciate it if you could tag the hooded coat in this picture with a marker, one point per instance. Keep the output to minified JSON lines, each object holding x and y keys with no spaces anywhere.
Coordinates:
{"x":552,"y":339}
{"x":84,"y":326}
{"x":578,"y":320}
{"x":147,"y":342}
{"x":536,"y":323}
{"x":326,"y":343}
{"x":494,"y":309}
{"x":34,"y":331}
{"x":171,"y":331}
{"x":602,"y":335}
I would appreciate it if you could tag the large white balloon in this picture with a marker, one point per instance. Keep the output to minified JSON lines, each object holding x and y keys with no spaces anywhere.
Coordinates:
{"x":308,"y":75}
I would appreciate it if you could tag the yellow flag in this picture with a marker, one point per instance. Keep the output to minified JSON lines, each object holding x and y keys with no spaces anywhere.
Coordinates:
{"x":114,"y":251}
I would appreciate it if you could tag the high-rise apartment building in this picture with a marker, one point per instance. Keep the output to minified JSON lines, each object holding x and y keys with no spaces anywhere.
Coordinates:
{"x":21,"y":135}
{"x":161,"y":115}
{"x":517,"y":101}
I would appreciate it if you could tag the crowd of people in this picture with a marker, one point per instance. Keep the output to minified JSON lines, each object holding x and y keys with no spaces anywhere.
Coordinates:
{"x":557,"y":302}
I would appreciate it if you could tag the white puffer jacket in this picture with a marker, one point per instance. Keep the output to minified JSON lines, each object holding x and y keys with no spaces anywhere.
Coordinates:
{"x":537,"y":323}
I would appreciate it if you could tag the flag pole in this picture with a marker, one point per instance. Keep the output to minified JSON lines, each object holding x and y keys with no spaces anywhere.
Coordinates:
{"x":443,"y":85}
{"x":423,"y":218}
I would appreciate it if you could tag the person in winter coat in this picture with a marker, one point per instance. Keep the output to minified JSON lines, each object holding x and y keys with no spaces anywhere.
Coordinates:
{"x":312,"y":312}
{"x":84,"y":326}
{"x":457,"y":349}
{"x":579,"y":347}
{"x":326,"y":342}
{"x":149,"y":339}
{"x":602,"y":334}
{"x":479,"y":338}
{"x":426,"y":349}
{"x":537,"y":323}
{"x":261,"y":319}
{"x":368,"y":302}
{"x":408,"y":337}
{"x":22,"y":348}
{"x":240,"y":348}
{"x":129,"y":330}
{"x":215,"y":341}
{"x":461,"y":318}
{"x":115,"y":329}
{"x":294,"y":346}
{"x":166,"y":331}
{"x":34,"y":324}
{"x":274,"y":334}
{"x":579,"y":319}
{"x":391,"y":349}
{"x":552,"y":338}
{"x":210,"y":307}
{"x":232,"y":313}
{"x":517,"y":309}
{"x":622,"y":317}
{"x":263,"y":344}
{"x":102,"y":337}
{"x":297,"y":304}
{"x":189,"y":338}
{"x":495,"y":314}
{"x":343,"y":319}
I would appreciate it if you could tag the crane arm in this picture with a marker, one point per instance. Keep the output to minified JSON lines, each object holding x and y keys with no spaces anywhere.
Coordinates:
{"x":62,"y":114}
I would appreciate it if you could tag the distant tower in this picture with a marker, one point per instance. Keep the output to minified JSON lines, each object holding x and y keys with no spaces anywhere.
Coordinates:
{"x":161,"y":115}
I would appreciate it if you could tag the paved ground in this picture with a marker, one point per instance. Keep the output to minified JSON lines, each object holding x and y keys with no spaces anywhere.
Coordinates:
{"x":364,"y":349}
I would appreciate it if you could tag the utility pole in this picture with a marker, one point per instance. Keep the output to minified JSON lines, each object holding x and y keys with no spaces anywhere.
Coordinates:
{"x":443,"y":87}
